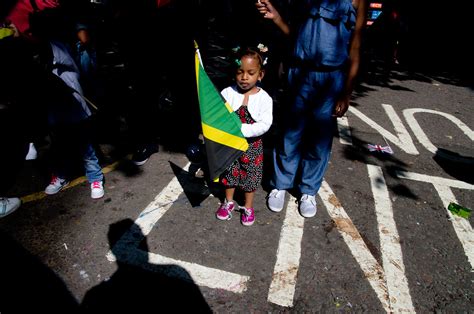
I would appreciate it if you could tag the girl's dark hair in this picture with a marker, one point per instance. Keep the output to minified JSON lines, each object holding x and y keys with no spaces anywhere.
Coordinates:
{"x":258,"y":53}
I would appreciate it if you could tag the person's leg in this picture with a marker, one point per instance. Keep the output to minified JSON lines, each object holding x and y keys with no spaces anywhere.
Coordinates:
{"x":93,"y":172}
{"x":140,"y":56}
{"x":249,"y":196}
{"x":229,"y":194}
{"x":64,"y":149}
{"x":251,"y":179}
{"x":91,"y":165}
{"x":229,"y":179}
{"x":287,"y":156}
{"x":224,"y":212}
{"x":248,"y":214}
{"x":13,"y":154}
{"x":11,"y":158}
{"x":318,"y":138}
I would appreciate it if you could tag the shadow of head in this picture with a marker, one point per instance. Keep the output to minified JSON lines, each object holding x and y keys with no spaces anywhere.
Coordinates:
{"x":138,"y":284}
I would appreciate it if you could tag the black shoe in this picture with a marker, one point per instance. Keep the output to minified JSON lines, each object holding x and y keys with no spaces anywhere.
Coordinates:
{"x":141,"y":155}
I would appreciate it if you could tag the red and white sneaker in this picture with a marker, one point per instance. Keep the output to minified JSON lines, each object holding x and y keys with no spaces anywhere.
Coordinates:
{"x":97,"y":189}
{"x":56,"y":185}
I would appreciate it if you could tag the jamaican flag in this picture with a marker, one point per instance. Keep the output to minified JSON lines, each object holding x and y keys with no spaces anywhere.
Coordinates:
{"x":223,"y":139}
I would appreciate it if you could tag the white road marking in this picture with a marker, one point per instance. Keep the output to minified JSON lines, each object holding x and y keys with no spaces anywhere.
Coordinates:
{"x":345,"y":136}
{"x":423,"y":138}
{"x":126,"y":249}
{"x":443,"y":186}
{"x":402,"y":139}
{"x":282,"y":287}
{"x":369,"y":265}
{"x":392,"y":257}
{"x":207,"y":276}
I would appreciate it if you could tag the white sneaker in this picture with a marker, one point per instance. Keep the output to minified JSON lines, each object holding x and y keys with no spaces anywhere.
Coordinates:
{"x":32,"y":153}
{"x":56,"y":185}
{"x":8,"y":205}
{"x":97,"y":189}
{"x":276,"y":200}
{"x":307,"y":206}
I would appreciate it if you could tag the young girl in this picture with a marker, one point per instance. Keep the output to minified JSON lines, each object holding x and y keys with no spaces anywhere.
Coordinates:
{"x":254,"y":107}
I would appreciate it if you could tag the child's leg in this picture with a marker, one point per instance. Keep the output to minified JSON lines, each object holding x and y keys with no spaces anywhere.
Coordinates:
{"x":224,"y":212}
{"x":229,"y":194}
{"x":248,"y":214}
{"x":249,"y":199}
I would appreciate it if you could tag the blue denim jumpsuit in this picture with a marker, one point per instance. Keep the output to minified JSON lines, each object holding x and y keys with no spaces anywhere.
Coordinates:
{"x":316,"y":79}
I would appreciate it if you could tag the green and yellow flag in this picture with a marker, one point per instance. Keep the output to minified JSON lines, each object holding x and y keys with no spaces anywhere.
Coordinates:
{"x":220,"y":125}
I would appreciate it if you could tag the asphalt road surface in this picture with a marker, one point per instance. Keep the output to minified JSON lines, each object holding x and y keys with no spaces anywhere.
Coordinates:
{"x":382,"y":240}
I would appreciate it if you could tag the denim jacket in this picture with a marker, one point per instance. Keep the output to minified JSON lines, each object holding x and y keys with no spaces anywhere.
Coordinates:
{"x":324,"y":33}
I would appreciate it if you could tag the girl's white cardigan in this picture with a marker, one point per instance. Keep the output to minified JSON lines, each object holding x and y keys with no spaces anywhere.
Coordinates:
{"x":260,"y":107}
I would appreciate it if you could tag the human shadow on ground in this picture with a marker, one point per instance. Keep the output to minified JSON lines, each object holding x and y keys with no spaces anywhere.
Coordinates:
{"x":138,"y":286}
{"x":28,"y":285}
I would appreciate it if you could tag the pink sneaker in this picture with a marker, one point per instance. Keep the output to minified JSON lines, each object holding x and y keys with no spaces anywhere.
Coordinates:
{"x":248,"y":216}
{"x":224,"y":212}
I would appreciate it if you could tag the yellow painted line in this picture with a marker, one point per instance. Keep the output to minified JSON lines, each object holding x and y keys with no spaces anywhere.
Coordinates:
{"x":40,"y":195}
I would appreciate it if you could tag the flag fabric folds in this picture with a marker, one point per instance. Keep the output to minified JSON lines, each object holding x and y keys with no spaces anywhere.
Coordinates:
{"x":223,"y":138}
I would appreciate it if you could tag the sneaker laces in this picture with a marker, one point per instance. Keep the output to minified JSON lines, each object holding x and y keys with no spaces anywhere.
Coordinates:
{"x":226,"y":206}
{"x":55,"y":180}
{"x":308,"y":198}
{"x":96,"y":185}
{"x":275,"y":193}
{"x":247,"y":212}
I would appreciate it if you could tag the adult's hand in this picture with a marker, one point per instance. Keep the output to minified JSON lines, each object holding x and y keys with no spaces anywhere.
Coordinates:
{"x":342,"y":104}
{"x":267,"y":10}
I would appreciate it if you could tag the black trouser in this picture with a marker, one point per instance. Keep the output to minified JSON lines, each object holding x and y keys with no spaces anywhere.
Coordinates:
{"x":14,"y":146}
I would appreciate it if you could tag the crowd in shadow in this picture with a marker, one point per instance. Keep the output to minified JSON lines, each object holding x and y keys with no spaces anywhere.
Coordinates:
{"x":414,"y":38}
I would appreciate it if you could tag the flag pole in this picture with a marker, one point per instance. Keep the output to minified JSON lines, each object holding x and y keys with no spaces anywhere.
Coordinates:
{"x":198,"y":54}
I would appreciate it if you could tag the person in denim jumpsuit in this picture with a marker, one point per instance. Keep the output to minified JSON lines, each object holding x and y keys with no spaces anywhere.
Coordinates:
{"x":322,"y":69}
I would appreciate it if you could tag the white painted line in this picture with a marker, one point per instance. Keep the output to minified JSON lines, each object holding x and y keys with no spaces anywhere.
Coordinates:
{"x":282,"y":287}
{"x":206,"y":276}
{"x":159,"y":206}
{"x":126,"y":249}
{"x":369,"y":265}
{"x":443,"y":186}
{"x":402,"y":139}
{"x":392,"y":256}
{"x":423,"y":138}
{"x":434,"y":180}
{"x":345,"y":136}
